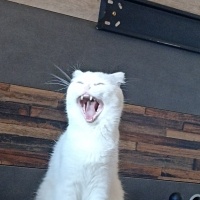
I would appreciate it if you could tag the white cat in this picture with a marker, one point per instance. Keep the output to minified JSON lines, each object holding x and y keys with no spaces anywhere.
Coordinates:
{"x":84,"y":164}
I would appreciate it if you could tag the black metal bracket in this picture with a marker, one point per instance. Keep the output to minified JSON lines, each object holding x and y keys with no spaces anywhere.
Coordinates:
{"x":150,"y":21}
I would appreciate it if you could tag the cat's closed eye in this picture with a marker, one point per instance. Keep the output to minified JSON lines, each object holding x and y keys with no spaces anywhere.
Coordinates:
{"x":99,"y":84}
{"x":80,"y":82}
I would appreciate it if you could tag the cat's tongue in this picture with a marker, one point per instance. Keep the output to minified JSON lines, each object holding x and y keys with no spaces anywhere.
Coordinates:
{"x":90,"y":110}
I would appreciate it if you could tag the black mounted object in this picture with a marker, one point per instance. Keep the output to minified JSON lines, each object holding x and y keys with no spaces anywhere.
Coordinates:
{"x":175,"y":196}
{"x":150,"y":21}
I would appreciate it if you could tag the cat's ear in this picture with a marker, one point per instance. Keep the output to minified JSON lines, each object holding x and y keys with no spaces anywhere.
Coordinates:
{"x":118,"y":77}
{"x":77,"y":73}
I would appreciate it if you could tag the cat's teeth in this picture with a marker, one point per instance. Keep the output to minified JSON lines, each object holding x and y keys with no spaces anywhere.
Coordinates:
{"x":82,"y":97}
{"x":91,"y":98}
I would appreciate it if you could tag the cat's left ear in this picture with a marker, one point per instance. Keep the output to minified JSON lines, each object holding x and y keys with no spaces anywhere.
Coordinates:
{"x":119,"y":78}
{"x":77,"y":73}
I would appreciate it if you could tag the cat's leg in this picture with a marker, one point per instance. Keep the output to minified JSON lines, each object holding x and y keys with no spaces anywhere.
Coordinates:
{"x":57,"y":192}
{"x":45,"y":191}
{"x":67,"y":190}
{"x":116,"y":192}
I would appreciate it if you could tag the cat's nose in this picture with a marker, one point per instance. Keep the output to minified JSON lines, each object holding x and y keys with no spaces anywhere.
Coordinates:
{"x":87,"y":87}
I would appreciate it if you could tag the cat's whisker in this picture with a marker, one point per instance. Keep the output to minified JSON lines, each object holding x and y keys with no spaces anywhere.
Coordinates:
{"x":64,"y":73}
{"x":64,"y":88}
{"x":56,"y":83}
{"x":61,"y":79}
{"x":75,"y":67}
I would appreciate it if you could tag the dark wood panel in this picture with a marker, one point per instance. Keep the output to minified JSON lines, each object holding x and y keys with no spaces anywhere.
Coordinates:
{"x":14,"y":108}
{"x":157,"y":160}
{"x":47,"y":113}
{"x":147,"y":120}
{"x":32,"y":122}
{"x":164,"y":114}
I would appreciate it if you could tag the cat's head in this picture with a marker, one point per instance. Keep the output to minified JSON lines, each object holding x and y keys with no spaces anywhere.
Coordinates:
{"x":95,"y":96}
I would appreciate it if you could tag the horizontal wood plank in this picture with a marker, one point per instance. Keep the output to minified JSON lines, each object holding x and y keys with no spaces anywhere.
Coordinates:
{"x":85,"y":9}
{"x":183,"y":135}
{"x":166,"y":150}
{"x":193,"y":128}
{"x":4,"y":87}
{"x":22,"y":161}
{"x":14,"y":108}
{"x":139,"y":128}
{"x":134,"y":170}
{"x":128,"y":145}
{"x":32,"y":122}
{"x":30,"y":144}
{"x":184,"y":174}
{"x":134,"y":109}
{"x":36,"y":92}
{"x":149,"y":120}
{"x":156,"y":160}
{"x":164,"y":114}
{"x":47,"y":113}
{"x":29,"y":131}
{"x":33,"y":97}
{"x":159,"y":140}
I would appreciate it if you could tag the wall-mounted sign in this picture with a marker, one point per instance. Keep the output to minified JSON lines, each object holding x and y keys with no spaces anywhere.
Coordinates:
{"x":150,"y":21}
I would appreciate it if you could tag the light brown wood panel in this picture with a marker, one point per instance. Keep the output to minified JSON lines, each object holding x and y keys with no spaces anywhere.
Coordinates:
{"x":29,"y":131}
{"x":185,"y":174}
{"x":134,"y":109}
{"x":167,"y":150}
{"x":4,"y":86}
{"x":183,"y":135}
{"x":193,"y":128}
{"x":84,"y":9}
{"x":132,"y":169}
{"x":38,"y":92}
{"x":31,"y":96}
{"x":164,"y":114}
{"x":22,"y":160}
{"x":128,"y":145}
{"x":191,"y":6}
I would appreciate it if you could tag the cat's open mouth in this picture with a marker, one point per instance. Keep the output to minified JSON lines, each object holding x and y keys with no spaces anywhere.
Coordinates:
{"x":91,"y":107}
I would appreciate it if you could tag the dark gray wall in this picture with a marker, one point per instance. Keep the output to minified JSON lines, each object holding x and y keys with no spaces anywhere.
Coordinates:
{"x":33,"y":40}
{"x":18,"y":183}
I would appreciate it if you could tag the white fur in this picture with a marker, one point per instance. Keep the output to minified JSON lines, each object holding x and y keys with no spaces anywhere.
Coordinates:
{"x":84,"y":164}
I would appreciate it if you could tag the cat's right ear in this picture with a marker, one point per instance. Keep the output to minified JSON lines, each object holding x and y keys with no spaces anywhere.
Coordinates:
{"x":77,"y":73}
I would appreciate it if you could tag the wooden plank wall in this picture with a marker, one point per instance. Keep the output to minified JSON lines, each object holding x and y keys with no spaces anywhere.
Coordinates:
{"x":89,"y":9}
{"x":154,"y":143}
